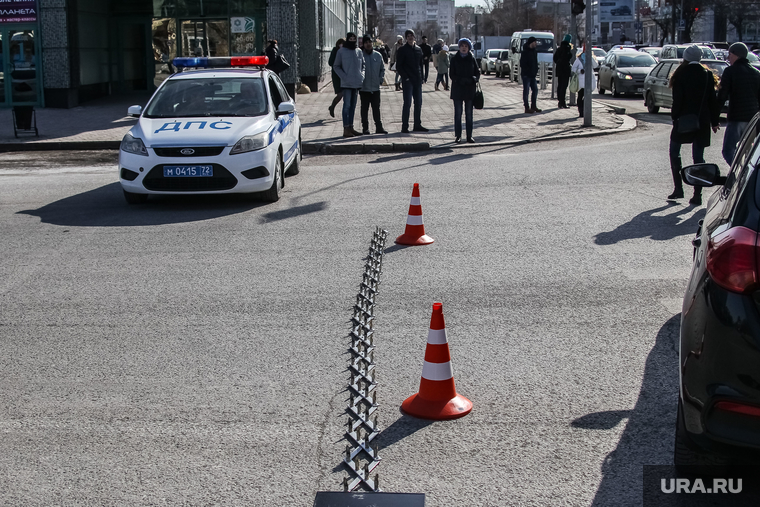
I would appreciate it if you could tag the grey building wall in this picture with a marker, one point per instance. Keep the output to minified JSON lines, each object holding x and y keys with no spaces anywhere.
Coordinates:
{"x":59,"y":69}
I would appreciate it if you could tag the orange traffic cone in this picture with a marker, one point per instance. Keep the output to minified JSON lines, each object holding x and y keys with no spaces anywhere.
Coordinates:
{"x":438,"y":398}
{"x":415,"y":230}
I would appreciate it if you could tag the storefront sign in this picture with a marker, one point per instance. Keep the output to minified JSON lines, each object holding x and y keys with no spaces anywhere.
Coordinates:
{"x":241,"y":25}
{"x":18,"y":11}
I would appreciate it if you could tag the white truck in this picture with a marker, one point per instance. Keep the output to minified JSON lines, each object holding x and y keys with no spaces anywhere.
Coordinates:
{"x":545,"y":49}
{"x":483,"y":44}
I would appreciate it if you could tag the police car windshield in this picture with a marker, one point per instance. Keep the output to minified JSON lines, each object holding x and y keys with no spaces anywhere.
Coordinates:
{"x":543,"y":44}
{"x":234,"y":96}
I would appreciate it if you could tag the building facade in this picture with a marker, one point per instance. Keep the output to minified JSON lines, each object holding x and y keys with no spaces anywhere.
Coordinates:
{"x":59,"y":53}
{"x":433,"y":18}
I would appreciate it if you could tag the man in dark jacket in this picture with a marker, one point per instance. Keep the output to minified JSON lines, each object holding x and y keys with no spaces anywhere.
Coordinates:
{"x":409,"y":67}
{"x":740,"y":84}
{"x":562,"y":59}
{"x":427,"y":53}
{"x":528,"y":72}
{"x":465,"y":73}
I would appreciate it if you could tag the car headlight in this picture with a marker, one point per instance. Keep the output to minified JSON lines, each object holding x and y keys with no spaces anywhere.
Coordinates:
{"x":624,"y":76}
{"x":134,"y":145}
{"x":250,"y":143}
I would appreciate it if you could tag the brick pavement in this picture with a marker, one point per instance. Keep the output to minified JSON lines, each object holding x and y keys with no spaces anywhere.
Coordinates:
{"x":502,"y":120}
{"x":101,"y":123}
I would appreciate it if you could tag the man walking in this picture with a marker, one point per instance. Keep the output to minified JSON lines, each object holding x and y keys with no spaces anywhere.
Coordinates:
{"x":740,"y":84}
{"x":349,"y":65}
{"x":528,"y":72}
{"x":427,"y":53}
{"x":374,"y":72}
{"x":394,"y":66}
{"x":409,"y":66}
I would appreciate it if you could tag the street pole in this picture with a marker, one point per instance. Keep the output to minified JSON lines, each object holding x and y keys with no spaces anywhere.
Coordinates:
{"x":589,"y":71}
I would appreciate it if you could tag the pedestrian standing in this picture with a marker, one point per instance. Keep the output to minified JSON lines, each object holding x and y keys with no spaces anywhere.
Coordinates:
{"x":740,"y":84}
{"x":409,"y":65}
{"x":394,"y":66}
{"x":693,"y":86}
{"x":374,"y":72}
{"x":335,"y":77}
{"x":442,"y":66}
{"x":579,"y":68}
{"x":562,"y":59}
{"x":427,"y":54}
{"x":465,"y":73}
{"x":437,"y":47}
{"x":272,"y":52}
{"x":381,"y":48}
{"x":349,"y":64}
{"x":528,"y":73}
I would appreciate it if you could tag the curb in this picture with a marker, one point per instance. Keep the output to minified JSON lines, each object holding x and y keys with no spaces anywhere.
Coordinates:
{"x":60,"y":146}
{"x":358,"y":148}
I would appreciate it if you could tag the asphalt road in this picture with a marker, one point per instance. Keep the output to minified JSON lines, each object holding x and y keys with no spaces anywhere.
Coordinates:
{"x":193,"y":350}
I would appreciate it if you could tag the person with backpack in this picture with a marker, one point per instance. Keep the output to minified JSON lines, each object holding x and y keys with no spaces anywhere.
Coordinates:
{"x":694,"y":111}
{"x":465,"y":73}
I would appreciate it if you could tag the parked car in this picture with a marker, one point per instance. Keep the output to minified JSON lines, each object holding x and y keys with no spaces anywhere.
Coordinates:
{"x":753,"y":60}
{"x":673,"y":51}
{"x":653,"y":50}
{"x":718,"y":418}
{"x":501,"y":64}
{"x":657,"y":92}
{"x":624,"y":72}
{"x":489,"y":60}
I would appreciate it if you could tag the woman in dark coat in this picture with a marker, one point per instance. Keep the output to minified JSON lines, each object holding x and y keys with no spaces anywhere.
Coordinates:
{"x":465,"y":73}
{"x":562,"y":59}
{"x":335,"y":78}
{"x":693,"y":87}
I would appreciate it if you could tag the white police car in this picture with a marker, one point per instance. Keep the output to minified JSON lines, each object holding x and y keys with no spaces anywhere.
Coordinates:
{"x":214,"y":128}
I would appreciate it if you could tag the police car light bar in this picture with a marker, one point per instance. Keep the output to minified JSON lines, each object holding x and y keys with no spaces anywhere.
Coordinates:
{"x":220,"y":62}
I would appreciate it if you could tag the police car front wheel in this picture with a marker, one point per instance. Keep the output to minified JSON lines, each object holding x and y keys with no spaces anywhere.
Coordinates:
{"x":273,"y":194}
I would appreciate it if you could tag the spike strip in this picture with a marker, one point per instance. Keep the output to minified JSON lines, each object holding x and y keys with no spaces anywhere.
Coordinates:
{"x":362,"y":455}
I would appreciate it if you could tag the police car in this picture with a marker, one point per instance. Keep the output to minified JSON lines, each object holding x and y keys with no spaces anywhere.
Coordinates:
{"x":219,"y":125}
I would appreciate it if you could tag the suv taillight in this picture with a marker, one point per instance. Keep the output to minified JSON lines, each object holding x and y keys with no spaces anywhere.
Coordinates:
{"x":732,"y":260}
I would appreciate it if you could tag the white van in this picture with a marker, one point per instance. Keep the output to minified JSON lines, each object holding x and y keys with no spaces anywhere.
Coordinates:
{"x":545,"y":48}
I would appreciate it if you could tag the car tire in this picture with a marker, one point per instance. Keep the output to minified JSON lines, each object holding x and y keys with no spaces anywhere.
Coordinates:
{"x":273,"y":194}
{"x":133,"y":198}
{"x":601,"y":90}
{"x":685,"y":454}
{"x":613,"y":89}
{"x":488,"y":72}
{"x":650,"y":104}
{"x":295,"y":166}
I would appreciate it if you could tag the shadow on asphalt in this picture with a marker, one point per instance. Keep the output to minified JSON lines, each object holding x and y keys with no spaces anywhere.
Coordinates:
{"x":649,"y":434}
{"x":293,"y":212}
{"x":658,"y":228}
{"x":106,"y":207}
{"x":396,"y":248}
{"x":400,"y":429}
{"x":659,"y":118}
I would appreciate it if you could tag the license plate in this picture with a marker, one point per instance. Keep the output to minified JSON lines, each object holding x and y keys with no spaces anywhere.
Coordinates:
{"x":640,"y":90}
{"x":188,"y":171}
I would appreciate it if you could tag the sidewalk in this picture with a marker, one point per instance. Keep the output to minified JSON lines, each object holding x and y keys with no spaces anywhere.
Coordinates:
{"x":501,"y":121}
{"x":101,"y":123}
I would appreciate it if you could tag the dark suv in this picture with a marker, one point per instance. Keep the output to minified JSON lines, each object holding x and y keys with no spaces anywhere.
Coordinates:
{"x":719,"y":404}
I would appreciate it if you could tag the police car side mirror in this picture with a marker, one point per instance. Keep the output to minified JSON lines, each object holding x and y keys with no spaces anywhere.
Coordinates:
{"x":286,"y":107}
{"x":702,"y":175}
{"x":134,"y":111}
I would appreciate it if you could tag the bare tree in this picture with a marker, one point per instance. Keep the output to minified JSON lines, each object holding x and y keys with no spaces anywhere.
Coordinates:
{"x":739,"y":13}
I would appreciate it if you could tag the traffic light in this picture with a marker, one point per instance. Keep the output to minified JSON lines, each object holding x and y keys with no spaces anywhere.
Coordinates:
{"x":577,"y":7}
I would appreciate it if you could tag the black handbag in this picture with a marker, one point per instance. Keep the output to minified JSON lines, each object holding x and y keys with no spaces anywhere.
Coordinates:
{"x":478,"y":101}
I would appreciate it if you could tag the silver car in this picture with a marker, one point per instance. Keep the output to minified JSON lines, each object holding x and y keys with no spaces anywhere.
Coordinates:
{"x":657,"y":92}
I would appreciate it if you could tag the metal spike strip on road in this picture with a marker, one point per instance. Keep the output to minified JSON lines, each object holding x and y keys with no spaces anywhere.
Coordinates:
{"x":361,"y":455}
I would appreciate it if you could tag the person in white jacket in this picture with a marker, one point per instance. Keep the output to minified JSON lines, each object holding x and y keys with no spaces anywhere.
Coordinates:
{"x":579,"y":70}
